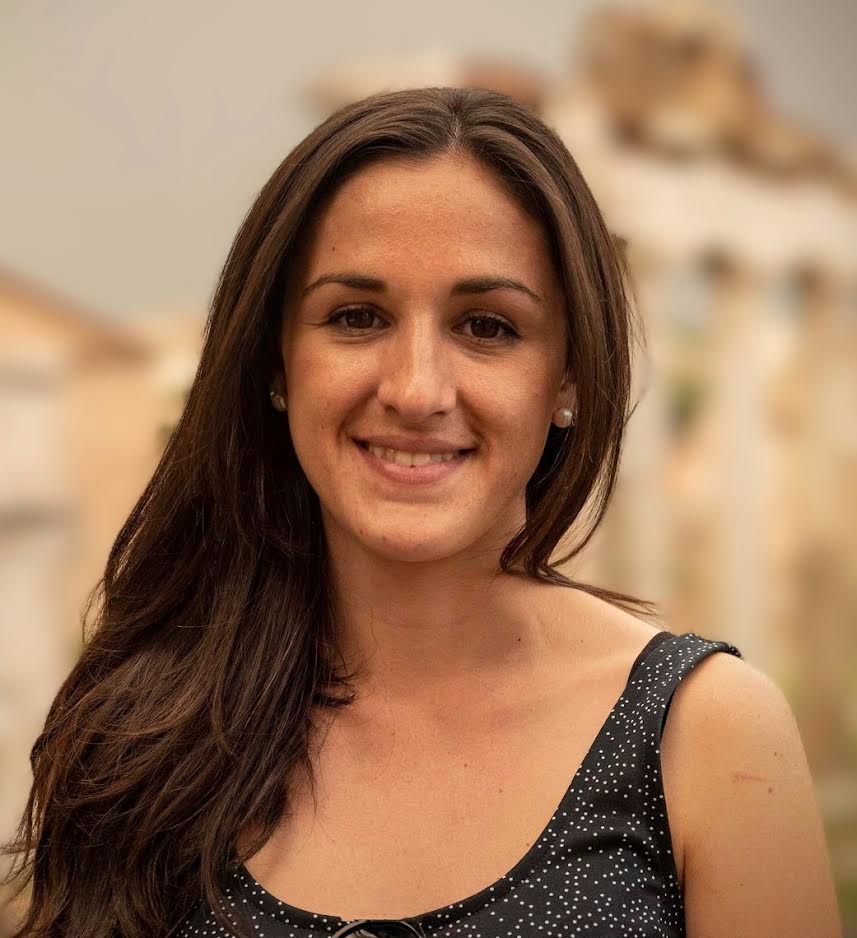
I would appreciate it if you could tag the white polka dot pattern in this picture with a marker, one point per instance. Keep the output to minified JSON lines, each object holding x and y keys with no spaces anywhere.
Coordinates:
{"x":603,"y":865}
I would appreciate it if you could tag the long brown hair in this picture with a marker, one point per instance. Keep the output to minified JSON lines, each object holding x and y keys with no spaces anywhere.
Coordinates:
{"x":214,"y":631}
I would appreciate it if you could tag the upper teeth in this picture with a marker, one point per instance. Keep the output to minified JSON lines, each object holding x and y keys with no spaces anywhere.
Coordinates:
{"x":409,"y":459}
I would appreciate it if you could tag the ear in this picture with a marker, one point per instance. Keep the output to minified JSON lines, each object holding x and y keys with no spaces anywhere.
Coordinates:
{"x":275,"y":368}
{"x":567,"y":394}
{"x":278,"y":382}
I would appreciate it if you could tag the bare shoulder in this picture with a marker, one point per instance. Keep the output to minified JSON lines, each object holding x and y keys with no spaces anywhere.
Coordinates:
{"x":755,"y":855}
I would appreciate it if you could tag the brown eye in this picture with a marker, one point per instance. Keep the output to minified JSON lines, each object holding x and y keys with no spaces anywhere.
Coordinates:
{"x":354,"y":318}
{"x":491,"y":324}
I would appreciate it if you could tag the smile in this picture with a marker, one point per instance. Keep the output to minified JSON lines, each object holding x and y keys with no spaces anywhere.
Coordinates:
{"x":403,"y":458}
{"x":411,"y":468}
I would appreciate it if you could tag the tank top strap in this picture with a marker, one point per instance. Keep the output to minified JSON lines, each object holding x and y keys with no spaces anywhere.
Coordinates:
{"x":621,"y":786}
{"x":657,"y":673}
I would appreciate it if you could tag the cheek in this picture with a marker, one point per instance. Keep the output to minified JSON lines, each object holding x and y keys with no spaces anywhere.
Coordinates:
{"x":322,"y":398}
{"x":516,"y":432}
{"x":525,"y":424}
{"x":524,"y":399}
{"x":311,"y":378}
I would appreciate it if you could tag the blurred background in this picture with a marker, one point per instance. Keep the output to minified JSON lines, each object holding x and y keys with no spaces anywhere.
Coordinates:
{"x":720,"y":141}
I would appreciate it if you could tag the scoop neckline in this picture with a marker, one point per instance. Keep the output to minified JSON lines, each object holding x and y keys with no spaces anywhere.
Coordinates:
{"x":279,"y":909}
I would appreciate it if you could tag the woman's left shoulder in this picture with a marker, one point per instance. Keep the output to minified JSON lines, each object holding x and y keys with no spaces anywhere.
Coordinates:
{"x":738,"y":704}
{"x":736,"y":738}
{"x":755,"y":854}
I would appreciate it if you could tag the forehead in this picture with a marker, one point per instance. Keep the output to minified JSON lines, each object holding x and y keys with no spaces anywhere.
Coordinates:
{"x":448,"y":212}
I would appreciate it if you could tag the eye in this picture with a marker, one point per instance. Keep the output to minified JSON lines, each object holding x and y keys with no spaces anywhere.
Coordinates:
{"x":356,"y":319}
{"x":361,"y":314}
{"x":493,"y":322}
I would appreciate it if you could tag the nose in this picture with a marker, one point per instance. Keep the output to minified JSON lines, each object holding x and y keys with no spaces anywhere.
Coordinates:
{"x":417,"y":372}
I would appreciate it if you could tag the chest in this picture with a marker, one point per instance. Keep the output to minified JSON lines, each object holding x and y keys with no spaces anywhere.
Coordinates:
{"x":413,"y":814}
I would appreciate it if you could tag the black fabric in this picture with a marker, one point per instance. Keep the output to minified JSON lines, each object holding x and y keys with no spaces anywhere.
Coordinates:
{"x":603,"y":865}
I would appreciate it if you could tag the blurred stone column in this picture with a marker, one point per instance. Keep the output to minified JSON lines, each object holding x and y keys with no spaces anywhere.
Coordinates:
{"x":824,"y":560}
{"x":740,"y":575}
{"x":639,"y":520}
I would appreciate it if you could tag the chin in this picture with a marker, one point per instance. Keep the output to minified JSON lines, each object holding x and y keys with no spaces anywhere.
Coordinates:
{"x":421,"y":550}
{"x":414,"y":545}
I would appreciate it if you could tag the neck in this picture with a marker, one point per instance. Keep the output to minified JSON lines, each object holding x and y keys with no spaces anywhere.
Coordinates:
{"x":420,"y":632}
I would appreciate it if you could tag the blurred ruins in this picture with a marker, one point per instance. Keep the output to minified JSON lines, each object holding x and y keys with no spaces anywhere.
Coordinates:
{"x":737,"y":502}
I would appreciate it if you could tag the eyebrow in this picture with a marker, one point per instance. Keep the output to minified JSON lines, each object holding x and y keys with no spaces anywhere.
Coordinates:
{"x":471,"y":285}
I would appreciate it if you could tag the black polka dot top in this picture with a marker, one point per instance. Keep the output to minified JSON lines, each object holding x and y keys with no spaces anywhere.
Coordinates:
{"x":603,"y":865}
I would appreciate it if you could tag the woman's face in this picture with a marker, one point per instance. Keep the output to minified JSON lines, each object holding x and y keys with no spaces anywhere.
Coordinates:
{"x":388,"y":331}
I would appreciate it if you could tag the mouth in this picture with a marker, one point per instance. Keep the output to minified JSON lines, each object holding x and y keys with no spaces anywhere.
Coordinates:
{"x":363,"y":444}
{"x":429,"y":468}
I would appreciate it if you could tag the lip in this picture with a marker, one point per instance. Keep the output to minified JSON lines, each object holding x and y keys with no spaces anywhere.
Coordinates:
{"x":412,"y":475}
{"x":405,"y":444}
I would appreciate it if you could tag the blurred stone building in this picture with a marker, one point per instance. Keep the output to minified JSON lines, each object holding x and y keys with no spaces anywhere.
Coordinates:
{"x":84,"y":409}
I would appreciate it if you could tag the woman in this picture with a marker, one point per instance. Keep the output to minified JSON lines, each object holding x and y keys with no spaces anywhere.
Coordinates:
{"x":336,"y":685}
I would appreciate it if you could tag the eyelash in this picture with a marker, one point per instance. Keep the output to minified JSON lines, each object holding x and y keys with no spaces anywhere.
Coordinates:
{"x":510,"y":336}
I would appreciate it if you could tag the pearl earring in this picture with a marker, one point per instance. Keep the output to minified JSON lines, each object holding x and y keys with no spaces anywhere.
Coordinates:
{"x":278,"y":401}
{"x":564,"y":417}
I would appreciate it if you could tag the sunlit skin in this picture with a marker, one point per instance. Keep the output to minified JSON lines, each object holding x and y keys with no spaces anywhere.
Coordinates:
{"x":414,"y":566}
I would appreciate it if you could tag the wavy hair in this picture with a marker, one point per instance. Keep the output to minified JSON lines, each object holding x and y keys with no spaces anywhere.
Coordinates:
{"x":213,"y":629}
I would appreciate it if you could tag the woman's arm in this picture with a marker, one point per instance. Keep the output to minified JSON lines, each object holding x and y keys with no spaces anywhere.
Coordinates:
{"x":756,"y":863}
